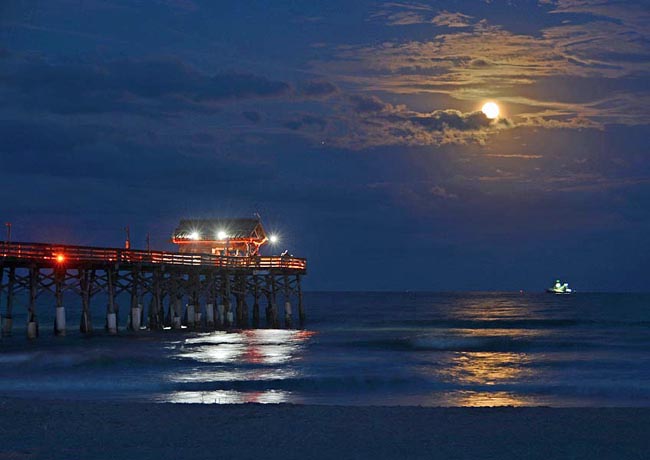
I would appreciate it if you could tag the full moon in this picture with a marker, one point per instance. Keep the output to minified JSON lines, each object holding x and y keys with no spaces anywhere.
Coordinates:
{"x":491,"y":110}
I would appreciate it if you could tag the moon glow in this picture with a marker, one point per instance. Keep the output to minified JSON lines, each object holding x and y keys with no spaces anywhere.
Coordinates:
{"x":491,"y":110}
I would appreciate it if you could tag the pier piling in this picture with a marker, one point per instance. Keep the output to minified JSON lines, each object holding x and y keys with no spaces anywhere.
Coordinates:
{"x":85,"y":279}
{"x":287,"y":302}
{"x":301,"y":308}
{"x":228,"y":320}
{"x":256,"y":302}
{"x":7,"y":322}
{"x":111,"y":309}
{"x":59,"y":319}
{"x":32,"y":321}
{"x":136,"y":308}
{"x":210,"y":298}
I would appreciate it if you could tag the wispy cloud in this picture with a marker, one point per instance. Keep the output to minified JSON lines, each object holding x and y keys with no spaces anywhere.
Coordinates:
{"x":522,"y":156}
{"x":406,"y":14}
{"x":454,"y":20}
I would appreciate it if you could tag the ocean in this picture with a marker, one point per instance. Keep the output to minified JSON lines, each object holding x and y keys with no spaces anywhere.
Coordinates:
{"x":412,"y":349}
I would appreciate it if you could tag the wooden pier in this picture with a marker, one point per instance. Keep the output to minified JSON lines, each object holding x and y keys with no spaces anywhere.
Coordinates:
{"x":179,"y":290}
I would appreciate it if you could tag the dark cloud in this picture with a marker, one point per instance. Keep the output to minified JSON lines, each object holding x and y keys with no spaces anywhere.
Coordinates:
{"x":367,"y":104}
{"x":442,"y":193}
{"x":129,"y":85}
{"x":307,"y":122}
{"x":374,"y":122}
{"x":90,"y":151}
{"x":479,"y":63}
{"x":440,"y":120}
{"x":253,"y":116}
{"x":318,"y":89}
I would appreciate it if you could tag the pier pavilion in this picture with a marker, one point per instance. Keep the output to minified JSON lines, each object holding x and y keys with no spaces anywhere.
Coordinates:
{"x":227,"y":237}
{"x":208,"y":284}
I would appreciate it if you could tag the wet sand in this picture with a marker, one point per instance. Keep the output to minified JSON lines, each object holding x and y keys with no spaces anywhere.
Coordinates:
{"x":107,"y":430}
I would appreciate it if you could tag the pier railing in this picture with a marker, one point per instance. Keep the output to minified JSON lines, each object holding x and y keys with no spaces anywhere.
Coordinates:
{"x":57,"y":254}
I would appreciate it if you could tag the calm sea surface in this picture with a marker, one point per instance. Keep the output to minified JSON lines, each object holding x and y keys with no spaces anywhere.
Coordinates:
{"x":430,"y":349}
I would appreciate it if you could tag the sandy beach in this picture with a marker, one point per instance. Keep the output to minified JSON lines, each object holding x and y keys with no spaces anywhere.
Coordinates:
{"x":105,"y":430}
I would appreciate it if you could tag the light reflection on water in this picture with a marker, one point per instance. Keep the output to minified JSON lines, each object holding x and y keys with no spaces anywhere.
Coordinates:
{"x":511,"y":307}
{"x":482,"y":368}
{"x":232,"y":375}
{"x":263,"y":347}
{"x":225,"y":397}
{"x":486,"y":399}
{"x":253,"y":346}
{"x":257,"y":355}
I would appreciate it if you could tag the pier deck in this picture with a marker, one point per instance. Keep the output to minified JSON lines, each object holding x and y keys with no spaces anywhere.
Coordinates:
{"x":197,"y":291}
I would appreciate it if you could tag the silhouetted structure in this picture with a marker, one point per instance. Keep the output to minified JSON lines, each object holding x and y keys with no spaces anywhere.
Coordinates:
{"x":184,"y":289}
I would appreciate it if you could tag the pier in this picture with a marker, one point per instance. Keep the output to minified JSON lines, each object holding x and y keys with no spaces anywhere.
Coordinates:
{"x":165,"y":290}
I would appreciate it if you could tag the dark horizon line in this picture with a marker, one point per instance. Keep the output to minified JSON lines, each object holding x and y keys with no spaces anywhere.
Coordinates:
{"x":462,"y":291}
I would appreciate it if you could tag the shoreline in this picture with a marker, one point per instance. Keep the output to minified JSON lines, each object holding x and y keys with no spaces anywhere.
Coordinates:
{"x":35,"y":429}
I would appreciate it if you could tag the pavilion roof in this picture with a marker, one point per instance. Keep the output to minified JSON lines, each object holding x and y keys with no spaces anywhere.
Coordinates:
{"x":209,"y":228}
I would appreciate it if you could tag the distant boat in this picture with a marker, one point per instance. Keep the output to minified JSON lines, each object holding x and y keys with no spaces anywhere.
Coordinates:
{"x":559,"y":288}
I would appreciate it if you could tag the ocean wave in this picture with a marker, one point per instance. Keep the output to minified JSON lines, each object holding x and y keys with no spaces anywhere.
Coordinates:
{"x":493,"y":343}
{"x":79,"y":358}
{"x":524,"y":323}
{"x":403,"y":384}
{"x":469,"y":343}
{"x":16,"y":358}
{"x":422,"y":388}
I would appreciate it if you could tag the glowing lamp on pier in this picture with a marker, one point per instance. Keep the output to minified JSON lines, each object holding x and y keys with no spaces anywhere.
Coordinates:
{"x":60,"y":258}
{"x":273,"y":239}
{"x":221,"y":235}
{"x":195,"y":236}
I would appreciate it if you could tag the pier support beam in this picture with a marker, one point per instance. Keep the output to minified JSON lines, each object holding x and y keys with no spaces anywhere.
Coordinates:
{"x":59,"y":319}
{"x":256,"y":302}
{"x":287,"y":303}
{"x":86,"y":278}
{"x":156,"y":313}
{"x":189,"y":314}
{"x":177,"y":318}
{"x":170,"y":308}
{"x":111,"y":309}
{"x":210,"y":299}
{"x":174,"y":314}
{"x":301,"y":308}
{"x":136,"y":307}
{"x":32,"y":320}
{"x":228,"y":316}
{"x":271,"y":309}
{"x":242,"y":307}
{"x":194,"y":307}
{"x":209,"y":316}
{"x":196,"y":300}
{"x":221,"y":315}
{"x":244,"y":320}
{"x":7,"y":320}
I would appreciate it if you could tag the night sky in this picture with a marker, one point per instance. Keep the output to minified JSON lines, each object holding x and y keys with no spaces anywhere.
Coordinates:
{"x":353,"y":127}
